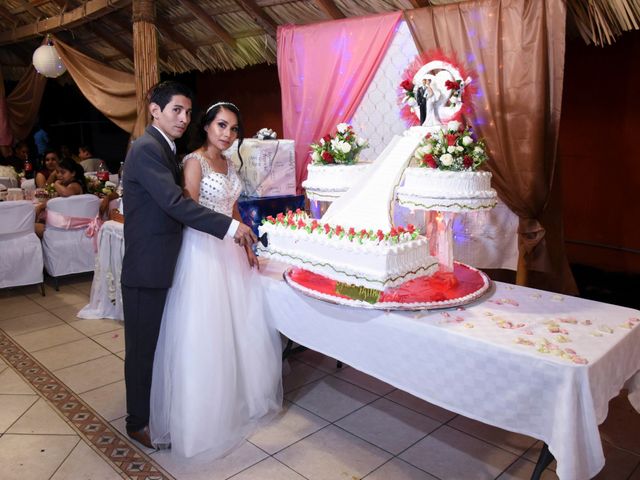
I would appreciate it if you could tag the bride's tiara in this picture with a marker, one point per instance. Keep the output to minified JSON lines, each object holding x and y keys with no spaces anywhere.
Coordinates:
{"x":220,"y":104}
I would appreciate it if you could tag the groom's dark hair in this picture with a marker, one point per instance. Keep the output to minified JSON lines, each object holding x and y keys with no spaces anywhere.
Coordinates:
{"x":163,"y":92}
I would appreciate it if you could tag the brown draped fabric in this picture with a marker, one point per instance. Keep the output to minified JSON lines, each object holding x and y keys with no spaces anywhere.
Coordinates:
{"x":19,"y":111}
{"x":111,"y":91}
{"x":516,"y":48}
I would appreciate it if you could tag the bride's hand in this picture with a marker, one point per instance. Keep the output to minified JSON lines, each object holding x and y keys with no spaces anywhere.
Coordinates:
{"x":251,"y":257}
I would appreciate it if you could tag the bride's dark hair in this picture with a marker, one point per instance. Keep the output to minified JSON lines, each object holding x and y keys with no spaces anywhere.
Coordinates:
{"x":200,"y":135}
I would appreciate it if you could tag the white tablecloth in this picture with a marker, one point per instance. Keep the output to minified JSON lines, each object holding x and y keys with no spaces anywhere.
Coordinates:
{"x":476,"y":362}
{"x":106,"y":296}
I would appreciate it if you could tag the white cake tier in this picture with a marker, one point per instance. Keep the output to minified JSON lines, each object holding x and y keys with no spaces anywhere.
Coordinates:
{"x":369,"y":264}
{"x":328,"y":182}
{"x":432,"y":189}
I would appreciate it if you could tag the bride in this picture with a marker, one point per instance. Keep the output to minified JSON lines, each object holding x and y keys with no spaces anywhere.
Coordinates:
{"x":217,"y":367}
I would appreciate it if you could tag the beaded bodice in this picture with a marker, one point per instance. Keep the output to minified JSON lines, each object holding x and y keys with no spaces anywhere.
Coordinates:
{"x":217,"y":191}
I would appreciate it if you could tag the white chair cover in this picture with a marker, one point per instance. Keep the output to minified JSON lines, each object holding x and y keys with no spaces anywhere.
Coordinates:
{"x":70,"y":250}
{"x":20,"y":249}
{"x":8,"y":182}
{"x":90,"y":164}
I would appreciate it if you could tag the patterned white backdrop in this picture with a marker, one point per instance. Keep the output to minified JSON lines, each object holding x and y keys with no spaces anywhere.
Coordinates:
{"x":377,"y":118}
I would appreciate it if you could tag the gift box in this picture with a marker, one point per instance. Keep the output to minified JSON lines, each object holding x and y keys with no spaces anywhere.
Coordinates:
{"x":269,"y":167}
{"x":253,"y":209}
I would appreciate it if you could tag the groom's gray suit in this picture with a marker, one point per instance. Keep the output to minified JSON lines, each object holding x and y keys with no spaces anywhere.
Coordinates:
{"x":155,"y":211}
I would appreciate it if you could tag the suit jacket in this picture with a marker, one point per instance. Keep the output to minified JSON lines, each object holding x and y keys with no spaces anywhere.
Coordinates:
{"x":155,"y":211}
{"x":420,"y":97}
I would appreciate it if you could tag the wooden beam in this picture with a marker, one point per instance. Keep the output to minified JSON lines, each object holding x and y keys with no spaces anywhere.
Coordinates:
{"x":259,"y":16}
{"x":203,"y":16}
{"x":126,"y":25}
{"x":329,"y":7}
{"x":82,"y":47}
{"x":35,"y":13}
{"x":91,"y":10}
{"x":6,"y":14}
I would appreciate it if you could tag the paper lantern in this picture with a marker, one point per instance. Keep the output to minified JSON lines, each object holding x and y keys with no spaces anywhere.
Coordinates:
{"x":47,"y":61}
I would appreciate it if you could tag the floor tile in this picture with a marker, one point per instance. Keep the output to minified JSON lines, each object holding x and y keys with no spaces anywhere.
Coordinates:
{"x":420,"y":406}
{"x":48,"y":337}
{"x":318,"y":360}
{"x":11,"y":382}
{"x":388,"y":425}
{"x":12,"y":407}
{"x":534,"y":453}
{"x":67,"y":313}
{"x":396,"y":469}
{"x":293,"y":424}
{"x":19,"y":306}
{"x":512,"y":442}
{"x":119,"y":424}
{"x":622,"y":425}
{"x":330,"y":398}
{"x":85,"y":463}
{"x":73,"y":353}
{"x":332,"y":453}
{"x":300,"y":374}
{"x":93,"y":327}
{"x":522,"y":470}
{"x":64,"y":298}
{"x":108,"y":401}
{"x":365,"y":381}
{"x":618,"y":463}
{"x":29,"y":323}
{"x":112,"y":341}
{"x":33,"y":457}
{"x":267,"y":469}
{"x":41,"y":419}
{"x":92,"y":374}
{"x":238,"y":460}
{"x":450,"y":454}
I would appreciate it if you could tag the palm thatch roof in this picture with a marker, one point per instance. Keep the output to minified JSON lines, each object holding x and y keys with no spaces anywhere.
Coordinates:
{"x":200,"y":35}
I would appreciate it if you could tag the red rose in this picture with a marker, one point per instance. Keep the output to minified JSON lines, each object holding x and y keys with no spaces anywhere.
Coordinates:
{"x":327,"y":138}
{"x":393,"y":232}
{"x":339,"y":230}
{"x":451,"y":85}
{"x":327,"y":157}
{"x":429,"y":161}
{"x":467,"y":161}
{"x":290,"y":221}
{"x":327,"y":228}
{"x":407,"y":85}
{"x":411,"y":228}
{"x":314,"y":225}
{"x":351,"y":232}
{"x":400,"y":229}
{"x":380,"y":235}
{"x":280,"y":217}
{"x":451,"y":139}
{"x":270,"y":219}
{"x":363,"y":232}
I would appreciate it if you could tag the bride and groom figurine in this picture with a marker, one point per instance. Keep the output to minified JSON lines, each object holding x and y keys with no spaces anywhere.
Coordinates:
{"x":428,"y":97}
{"x":202,"y":364}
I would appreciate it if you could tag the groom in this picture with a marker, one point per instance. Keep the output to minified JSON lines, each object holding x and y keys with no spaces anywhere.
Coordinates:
{"x":155,"y":211}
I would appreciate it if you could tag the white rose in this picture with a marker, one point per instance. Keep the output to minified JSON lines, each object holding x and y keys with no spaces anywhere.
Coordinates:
{"x":478,"y":150}
{"x":466,"y":140}
{"x":315,"y":156}
{"x":342,"y":127}
{"x":459,"y":148}
{"x":344,"y":147}
{"x":428,"y":148}
{"x":360,"y":141}
{"x":451,"y":149}
{"x":322,"y":141}
{"x":446,"y":160}
{"x":453,"y":126}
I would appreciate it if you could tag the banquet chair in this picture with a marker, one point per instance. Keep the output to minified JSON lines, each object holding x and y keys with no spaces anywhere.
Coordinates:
{"x":70,"y":238}
{"x":20,"y":249}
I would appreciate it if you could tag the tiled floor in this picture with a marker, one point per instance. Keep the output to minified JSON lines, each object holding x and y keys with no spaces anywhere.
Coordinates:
{"x":336,"y":424}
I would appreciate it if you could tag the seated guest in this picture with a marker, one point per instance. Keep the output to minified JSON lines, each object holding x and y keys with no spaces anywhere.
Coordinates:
{"x":69,"y":179}
{"x":65,"y":152}
{"x":17,"y":158}
{"x":87,"y":160}
{"x":48,"y":174}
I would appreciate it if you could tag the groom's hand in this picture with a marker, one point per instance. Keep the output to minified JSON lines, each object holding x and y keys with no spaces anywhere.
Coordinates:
{"x":244,"y":236}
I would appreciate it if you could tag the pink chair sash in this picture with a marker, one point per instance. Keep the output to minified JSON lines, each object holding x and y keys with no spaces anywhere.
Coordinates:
{"x":66,"y":222}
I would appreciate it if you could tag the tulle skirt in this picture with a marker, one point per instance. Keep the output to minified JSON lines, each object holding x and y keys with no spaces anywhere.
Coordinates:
{"x":217,"y":371}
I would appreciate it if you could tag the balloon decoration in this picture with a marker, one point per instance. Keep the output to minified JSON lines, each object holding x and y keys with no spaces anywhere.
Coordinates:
{"x":47,"y":61}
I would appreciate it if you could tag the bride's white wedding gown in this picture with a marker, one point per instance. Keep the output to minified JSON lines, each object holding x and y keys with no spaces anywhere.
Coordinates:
{"x":217,"y":368}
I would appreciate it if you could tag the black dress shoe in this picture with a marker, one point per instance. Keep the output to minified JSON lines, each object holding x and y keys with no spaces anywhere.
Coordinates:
{"x":141,"y":436}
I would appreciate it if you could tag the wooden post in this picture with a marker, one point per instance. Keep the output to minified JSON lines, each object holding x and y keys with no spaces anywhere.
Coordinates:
{"x":145,"y":57}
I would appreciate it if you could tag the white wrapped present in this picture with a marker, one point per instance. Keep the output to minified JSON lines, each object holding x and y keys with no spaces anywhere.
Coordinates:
{"x":269,"y":168}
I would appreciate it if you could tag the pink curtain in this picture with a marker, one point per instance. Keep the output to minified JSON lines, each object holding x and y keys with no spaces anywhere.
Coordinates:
{"x":325,"y":70}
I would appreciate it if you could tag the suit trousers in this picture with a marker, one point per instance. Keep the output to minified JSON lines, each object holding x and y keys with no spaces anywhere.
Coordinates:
{"x":143,"y":309}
